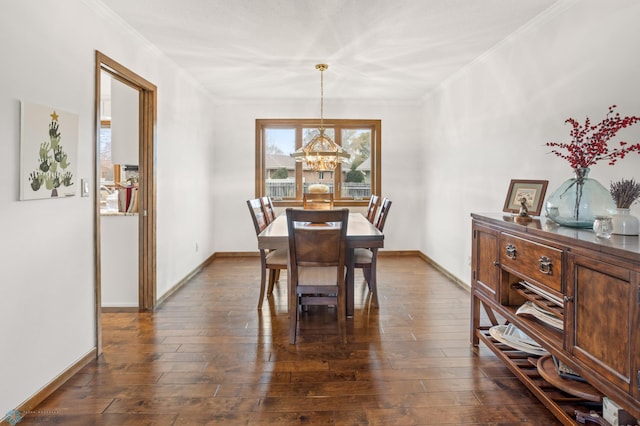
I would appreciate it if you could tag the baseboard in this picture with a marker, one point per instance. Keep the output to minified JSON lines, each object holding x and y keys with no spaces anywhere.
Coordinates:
{"x":384,"y":253}
{"x":256,"y":254}
{"x":445,"y":272}
{"x":117,"y":309}
{"x":381,"y":253}
{"x":186,"y":279}
{"x":236,"y":254}
{"x":54,"y":385}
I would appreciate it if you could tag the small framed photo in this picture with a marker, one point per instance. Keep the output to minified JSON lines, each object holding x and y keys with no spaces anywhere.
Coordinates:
{"x":525,"y":196}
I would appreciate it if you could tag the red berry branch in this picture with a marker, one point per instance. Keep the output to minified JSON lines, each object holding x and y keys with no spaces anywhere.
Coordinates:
{"x":589,"y":142}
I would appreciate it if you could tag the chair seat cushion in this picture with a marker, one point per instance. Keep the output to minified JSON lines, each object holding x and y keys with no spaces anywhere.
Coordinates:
{"x":277,"y":257}
{"x":362,"y":255}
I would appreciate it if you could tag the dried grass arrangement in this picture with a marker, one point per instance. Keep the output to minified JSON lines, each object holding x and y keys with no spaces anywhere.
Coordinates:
{"x":624,"y":192}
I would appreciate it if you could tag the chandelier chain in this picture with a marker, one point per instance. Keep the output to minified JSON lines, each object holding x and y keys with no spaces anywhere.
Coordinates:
{"x":321,"y":67}
{"x":321,"y":153}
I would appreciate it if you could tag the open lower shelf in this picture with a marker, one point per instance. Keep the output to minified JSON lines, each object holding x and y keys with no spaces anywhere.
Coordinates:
{"x":547,"y":336}
{"x":544,"y":303}
{"x":523,"y":365}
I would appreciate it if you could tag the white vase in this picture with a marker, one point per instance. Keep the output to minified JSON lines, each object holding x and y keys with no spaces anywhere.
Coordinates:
{"x":624,"y":223}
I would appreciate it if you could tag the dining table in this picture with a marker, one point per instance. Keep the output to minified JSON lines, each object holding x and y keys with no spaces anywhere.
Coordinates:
{"x":360,"y":234}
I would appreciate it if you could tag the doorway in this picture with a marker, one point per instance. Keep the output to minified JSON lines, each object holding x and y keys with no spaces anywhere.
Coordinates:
{"x":144,"y":179}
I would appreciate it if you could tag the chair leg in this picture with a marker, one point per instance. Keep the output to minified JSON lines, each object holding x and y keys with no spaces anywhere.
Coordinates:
{"x":367,"y":276}
{"x":293,"y":316}
{"x":373,"y":279}
{"x":272,"y":279}
{"x":342,"y":318}
{"x":263,"y":279}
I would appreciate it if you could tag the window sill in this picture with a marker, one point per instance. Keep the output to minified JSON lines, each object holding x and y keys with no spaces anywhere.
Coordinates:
{"x":336,"y":203}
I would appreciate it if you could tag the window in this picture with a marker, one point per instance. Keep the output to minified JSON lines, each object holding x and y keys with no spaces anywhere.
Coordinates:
{"x":109,"y":172}
{"x":281,"y":178}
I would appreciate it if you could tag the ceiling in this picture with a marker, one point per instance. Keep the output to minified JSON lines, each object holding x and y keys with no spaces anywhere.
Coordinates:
{"x":375,"y":49}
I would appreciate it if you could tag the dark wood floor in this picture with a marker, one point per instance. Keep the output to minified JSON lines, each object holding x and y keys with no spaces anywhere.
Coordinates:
{"x":207,"y":356}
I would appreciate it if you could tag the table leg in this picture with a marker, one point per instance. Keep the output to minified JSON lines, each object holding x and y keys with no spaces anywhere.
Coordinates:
{"x":349,"y":286}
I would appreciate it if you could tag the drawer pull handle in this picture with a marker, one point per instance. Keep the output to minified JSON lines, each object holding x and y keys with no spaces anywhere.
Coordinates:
{"x":511,"y":251}
{"x":568,"y":299}
{"x":545,"y":265}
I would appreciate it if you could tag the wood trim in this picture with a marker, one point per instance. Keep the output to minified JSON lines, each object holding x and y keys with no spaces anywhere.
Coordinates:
{"x":147,"y":189}
{"x":381,"y":253}
{"x":35,"y":399}
{"x":122,"y":73}
{"x":444,"y":271}
{"x":147,"y":207}
{"x":259,"y":166}
{"x":223,"y":254}
{"x":185,"y":280}
{"x":389,"y":253}
{"x":298,"y":124}
{"x":96,"y":206}
{"x":116,"y":309}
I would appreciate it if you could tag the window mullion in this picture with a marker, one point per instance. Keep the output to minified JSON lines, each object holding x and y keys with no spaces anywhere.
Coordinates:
{"x":299,"y":172}
{"x":337,"y":174}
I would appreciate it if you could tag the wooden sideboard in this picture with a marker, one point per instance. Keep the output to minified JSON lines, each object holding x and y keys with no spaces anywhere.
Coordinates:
{"x":591,"y":284}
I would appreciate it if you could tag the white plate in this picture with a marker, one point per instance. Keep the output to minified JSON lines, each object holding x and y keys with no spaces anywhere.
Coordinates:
{"x":498,"y":333}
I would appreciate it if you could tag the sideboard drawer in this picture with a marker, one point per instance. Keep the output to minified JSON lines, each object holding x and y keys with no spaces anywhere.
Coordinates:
{"x":538,"y":263}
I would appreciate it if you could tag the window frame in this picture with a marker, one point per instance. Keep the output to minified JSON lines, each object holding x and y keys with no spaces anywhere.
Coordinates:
{"x":106,"y":124}
{"x":338,"y":124}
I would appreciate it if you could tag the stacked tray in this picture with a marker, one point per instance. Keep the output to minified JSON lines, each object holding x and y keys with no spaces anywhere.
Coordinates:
{"x":513,"y":337}
{"x":537,"y":312}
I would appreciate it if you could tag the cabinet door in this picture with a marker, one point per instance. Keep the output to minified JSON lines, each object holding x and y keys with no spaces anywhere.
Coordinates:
{"x":602,"y":319}
{"x":484,"y":262}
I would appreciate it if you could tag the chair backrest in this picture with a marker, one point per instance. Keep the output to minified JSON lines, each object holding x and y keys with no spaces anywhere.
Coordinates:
{"x":267,"y":208}
{"x":372,"y":208}
{"x":317,"y":237}
{"x":317,"y":252}
{"x":257,"y":214}
{"x":317,"y":201}
{"x":383,"y":213}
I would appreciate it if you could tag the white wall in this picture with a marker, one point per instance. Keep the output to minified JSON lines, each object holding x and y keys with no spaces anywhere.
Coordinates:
{"x":489,"y":123}
{"x":47,"y":300}
{"x":234,"y":167}
{"x":442,"y":160}
{"x":125,"y":107}
{"x":119,"y":261}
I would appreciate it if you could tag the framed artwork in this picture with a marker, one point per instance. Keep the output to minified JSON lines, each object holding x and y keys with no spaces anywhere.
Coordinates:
{"x":525,"y":195}
{"x":48,"y":152}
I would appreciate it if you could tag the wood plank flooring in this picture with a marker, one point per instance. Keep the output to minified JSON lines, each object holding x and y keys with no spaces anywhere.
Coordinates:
{"x":208,"y":356}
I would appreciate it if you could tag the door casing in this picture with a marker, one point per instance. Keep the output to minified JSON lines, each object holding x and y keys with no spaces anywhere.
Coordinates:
{"x":146,"y":191}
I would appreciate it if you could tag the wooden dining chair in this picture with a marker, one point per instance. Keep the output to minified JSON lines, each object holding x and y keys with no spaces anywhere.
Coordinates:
{"x":267,"y":209}
{"x":372,"y":208}
{"x":317,"y":201}
{"x":272,"y":260}
{"x":317,"y":251}
{"x":270,"y":216}
{"x":367,"y":258}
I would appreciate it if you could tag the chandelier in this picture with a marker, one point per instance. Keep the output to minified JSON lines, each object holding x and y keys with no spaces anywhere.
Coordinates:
{"x":321,"y":153}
